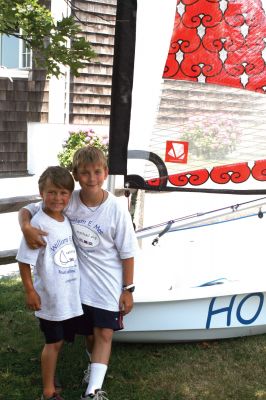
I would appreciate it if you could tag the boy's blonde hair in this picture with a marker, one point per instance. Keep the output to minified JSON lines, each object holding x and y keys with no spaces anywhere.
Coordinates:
{"x":58,"y":176}
{"x":88,"y":155}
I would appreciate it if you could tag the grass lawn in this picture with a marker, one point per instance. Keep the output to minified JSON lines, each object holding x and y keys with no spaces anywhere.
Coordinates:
{"x":219,"y":370}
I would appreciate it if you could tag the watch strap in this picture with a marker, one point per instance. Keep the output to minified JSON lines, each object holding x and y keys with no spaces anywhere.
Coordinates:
{"x":130,"y":287}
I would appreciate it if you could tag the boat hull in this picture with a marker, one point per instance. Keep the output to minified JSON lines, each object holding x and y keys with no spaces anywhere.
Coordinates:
{"x":210,"y":315}
{"x":197,"y":335}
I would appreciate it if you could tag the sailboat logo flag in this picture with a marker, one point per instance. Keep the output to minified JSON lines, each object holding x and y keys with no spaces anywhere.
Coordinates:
{"x":176,"y":151}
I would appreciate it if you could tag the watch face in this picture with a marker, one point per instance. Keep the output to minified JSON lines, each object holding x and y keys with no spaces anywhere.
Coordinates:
{"x":130,"y":289}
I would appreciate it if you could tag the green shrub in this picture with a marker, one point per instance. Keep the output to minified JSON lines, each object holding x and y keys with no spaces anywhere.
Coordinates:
{"x":78,"y":139}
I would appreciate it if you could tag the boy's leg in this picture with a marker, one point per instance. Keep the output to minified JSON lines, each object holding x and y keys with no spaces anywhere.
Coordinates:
{"x":102,"y":345}
{"x":89,"y":345}
{"x":100,"y":358}
{"x":48,"y":362}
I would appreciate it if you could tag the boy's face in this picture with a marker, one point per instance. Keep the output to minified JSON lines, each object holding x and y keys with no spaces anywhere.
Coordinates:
{"x":91,"y":177}
{"x":55,"y":199}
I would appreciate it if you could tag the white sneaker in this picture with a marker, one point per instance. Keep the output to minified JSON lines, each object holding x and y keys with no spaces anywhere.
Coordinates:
{"x":98,"y":395}
{"x":86,"y":376}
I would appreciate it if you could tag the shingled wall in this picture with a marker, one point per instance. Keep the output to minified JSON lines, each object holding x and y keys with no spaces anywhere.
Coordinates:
{"x":90,"y":94}
{"x":21,"y":100}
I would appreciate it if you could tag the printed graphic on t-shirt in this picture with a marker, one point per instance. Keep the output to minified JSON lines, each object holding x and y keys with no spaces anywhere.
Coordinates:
{"x":66,"y":256}
{"x":87,"y":238}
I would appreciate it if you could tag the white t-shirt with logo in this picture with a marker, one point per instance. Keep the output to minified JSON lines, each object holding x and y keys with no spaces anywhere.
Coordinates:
{"x":56,"y":272}
{"x":103,"y":236}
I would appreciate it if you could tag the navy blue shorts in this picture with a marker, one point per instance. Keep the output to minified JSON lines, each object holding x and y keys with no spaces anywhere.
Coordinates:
{"x":98,"y":318}
{"x":55,"y":331}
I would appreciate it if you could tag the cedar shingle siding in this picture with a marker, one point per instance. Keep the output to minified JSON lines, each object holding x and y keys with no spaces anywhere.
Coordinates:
{"x":90,"y":93}
{"x":20,"y":101}
{"x":13,"y":127}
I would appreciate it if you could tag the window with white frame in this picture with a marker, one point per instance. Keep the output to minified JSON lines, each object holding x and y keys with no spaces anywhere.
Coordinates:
{"x":14,"y":53}
{"x":25,"y":55}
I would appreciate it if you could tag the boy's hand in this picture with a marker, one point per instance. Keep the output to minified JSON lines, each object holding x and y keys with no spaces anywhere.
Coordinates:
{"x":33,"y":236}
{"x":33,"y":300}
{"x":126,"y":302}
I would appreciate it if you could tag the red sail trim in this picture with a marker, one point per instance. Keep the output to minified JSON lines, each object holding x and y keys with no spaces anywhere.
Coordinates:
{"x":259,"y":170}
{"x":154,"y":182}
{"x":195,"y":178}
{"x":236,"y":173}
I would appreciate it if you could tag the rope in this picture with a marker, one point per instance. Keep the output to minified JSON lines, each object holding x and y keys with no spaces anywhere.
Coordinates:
{"x":169,"y":224}
{"x":218,"y":222}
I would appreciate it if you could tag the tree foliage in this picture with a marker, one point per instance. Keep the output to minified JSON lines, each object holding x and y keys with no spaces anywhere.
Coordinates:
{"x":53,"y":42}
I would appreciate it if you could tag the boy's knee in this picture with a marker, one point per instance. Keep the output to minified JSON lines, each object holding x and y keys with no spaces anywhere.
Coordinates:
{"x":104,"y":334}
{"x":54,"y":346}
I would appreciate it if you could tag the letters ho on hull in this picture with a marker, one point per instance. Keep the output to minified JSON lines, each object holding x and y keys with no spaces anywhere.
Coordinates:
{"x":196,"y":319}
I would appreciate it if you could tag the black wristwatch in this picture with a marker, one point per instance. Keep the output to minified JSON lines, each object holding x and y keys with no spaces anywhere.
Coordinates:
{"x":129,"y":288}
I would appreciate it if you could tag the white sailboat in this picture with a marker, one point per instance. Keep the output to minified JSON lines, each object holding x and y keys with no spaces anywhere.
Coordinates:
{"x":202,"y":281}
{"x":192,"y":141}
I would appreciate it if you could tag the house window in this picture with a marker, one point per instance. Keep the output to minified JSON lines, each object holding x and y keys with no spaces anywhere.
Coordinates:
{"x":25,"y":55}
{"x":9,"y":46}
{"x":14,"y":52}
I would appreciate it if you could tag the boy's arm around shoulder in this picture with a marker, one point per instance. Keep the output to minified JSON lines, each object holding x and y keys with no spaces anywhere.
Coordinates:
{"x":33,"y":236}
{"x":33,"y":300}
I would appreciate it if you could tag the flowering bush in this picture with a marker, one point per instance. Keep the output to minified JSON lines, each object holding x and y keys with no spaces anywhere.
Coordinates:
{"x":78,"y":139}
{"x":211,"y":137}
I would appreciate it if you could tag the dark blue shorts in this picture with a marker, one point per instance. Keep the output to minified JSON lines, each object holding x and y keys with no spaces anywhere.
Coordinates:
{"x":98,"y":318}
{"x":55,"y":331}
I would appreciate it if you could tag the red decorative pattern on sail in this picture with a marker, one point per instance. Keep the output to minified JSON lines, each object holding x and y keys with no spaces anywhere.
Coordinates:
{"x":219,"y":42}
{"x":154,"y":182}
{"x":195,"y":178}
{"x":235,"y":173}
{"x":259,"y":170}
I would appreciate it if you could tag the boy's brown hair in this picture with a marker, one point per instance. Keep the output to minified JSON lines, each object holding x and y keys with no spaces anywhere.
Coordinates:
{"x":58,"y":176}
{"x":88,"y":155}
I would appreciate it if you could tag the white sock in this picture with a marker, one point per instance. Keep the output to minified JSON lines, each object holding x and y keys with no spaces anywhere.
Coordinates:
{"x":97,"y":375}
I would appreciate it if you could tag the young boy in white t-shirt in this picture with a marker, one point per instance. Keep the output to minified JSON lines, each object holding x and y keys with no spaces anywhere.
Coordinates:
{"x":54,"y":295}
{"x":106,"y":244}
